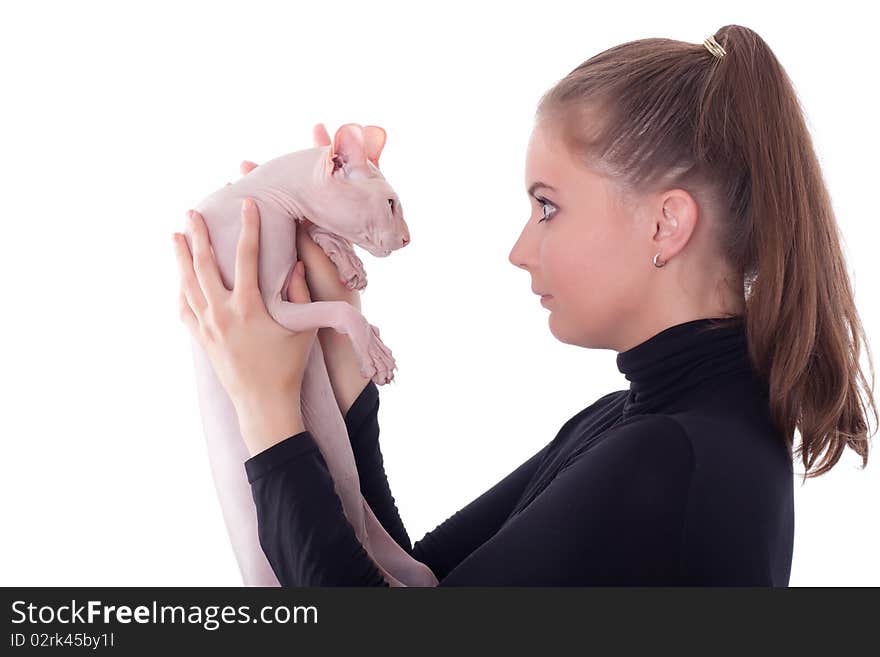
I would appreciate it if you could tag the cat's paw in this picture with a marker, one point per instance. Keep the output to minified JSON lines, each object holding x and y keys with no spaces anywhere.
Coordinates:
{"x":352,"y":273}
{"x":376,"y":361}
{"x":342,"y":255}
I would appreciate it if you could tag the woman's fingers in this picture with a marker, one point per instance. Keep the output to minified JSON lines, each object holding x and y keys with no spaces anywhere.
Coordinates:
{"x":187,"y":316}
{"x":189,"y":284}
{"x":298,"y":288}
{"x":247,"y":251}
{"x":204,"y":264}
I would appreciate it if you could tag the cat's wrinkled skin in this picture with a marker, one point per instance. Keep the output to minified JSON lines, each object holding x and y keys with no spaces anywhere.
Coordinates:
{"x":338,"y":195}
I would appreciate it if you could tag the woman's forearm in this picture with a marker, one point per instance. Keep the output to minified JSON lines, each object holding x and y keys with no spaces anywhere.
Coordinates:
{"x":343,"y":368}
{"x":267,"y":422}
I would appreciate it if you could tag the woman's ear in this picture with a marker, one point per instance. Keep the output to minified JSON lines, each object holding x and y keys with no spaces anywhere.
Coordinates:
{"x":675,"y":221}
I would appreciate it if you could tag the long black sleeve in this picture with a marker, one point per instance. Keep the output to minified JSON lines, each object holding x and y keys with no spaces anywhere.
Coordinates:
{"x":447,"y":544}
{"x":309,"y":542}
{"x":362,"y":422}
{"x":302,"y":528}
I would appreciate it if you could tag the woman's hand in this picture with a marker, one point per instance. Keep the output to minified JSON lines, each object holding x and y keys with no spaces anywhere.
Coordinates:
{"x":259,"y":362}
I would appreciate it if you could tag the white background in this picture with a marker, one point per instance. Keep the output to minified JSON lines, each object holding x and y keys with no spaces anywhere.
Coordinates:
{"x":118,"y":117}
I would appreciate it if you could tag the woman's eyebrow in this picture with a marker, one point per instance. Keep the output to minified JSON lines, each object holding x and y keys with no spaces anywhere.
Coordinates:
{"x":535,"y":186}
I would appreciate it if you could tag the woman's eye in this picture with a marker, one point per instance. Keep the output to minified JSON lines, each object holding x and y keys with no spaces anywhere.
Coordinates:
{"x":544,"y":203}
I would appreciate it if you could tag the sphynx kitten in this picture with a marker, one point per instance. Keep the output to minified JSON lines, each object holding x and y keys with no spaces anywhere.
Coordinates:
{"x":338,"y":194}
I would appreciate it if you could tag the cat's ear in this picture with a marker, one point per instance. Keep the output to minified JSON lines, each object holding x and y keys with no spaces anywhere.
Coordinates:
{"x":319,"y":134}
{"x":374,"y":138}
{"x":348,"y":147}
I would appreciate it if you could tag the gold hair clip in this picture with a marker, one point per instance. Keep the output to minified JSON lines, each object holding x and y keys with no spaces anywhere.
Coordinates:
{"x":714,"y":47}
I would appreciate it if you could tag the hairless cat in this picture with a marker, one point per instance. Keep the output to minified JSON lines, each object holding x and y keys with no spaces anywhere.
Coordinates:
{"x":339,"y":196}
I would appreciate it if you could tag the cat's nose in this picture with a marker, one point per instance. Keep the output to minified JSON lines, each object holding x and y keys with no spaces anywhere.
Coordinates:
{"x":405,"y":241}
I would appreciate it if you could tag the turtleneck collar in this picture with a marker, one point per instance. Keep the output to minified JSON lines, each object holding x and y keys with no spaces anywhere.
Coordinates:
{"x":677,"y":360}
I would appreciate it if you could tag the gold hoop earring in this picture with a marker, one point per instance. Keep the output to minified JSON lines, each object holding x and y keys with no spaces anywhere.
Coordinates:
{"x":657,"y":255}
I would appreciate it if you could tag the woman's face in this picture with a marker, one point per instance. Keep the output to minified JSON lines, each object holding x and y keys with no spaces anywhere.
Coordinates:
{"x":589,"y":254}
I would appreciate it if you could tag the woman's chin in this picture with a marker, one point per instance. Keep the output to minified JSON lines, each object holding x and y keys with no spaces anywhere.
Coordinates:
{"x":553,"y":324}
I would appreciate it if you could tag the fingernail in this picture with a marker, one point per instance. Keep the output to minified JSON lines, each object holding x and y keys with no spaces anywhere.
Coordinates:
{"x":247,"y":204}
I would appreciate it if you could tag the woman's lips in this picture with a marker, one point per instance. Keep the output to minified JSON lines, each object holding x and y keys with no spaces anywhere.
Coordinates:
{"x":545,"y":298}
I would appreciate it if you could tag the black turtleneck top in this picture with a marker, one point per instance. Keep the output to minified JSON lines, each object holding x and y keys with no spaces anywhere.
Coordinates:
{"x":680,"y":479}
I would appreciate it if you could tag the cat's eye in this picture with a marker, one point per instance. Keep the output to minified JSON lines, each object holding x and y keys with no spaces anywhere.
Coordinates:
{"x":391,"y":203}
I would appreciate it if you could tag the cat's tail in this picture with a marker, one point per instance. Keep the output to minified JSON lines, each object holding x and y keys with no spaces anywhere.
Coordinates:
{"x":395,"y":563}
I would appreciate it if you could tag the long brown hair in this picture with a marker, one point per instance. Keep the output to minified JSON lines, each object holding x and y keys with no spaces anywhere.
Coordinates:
{"x":659,"y":114}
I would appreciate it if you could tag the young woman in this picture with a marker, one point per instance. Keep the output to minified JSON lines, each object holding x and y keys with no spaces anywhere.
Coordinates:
{"x":679,"y":216}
